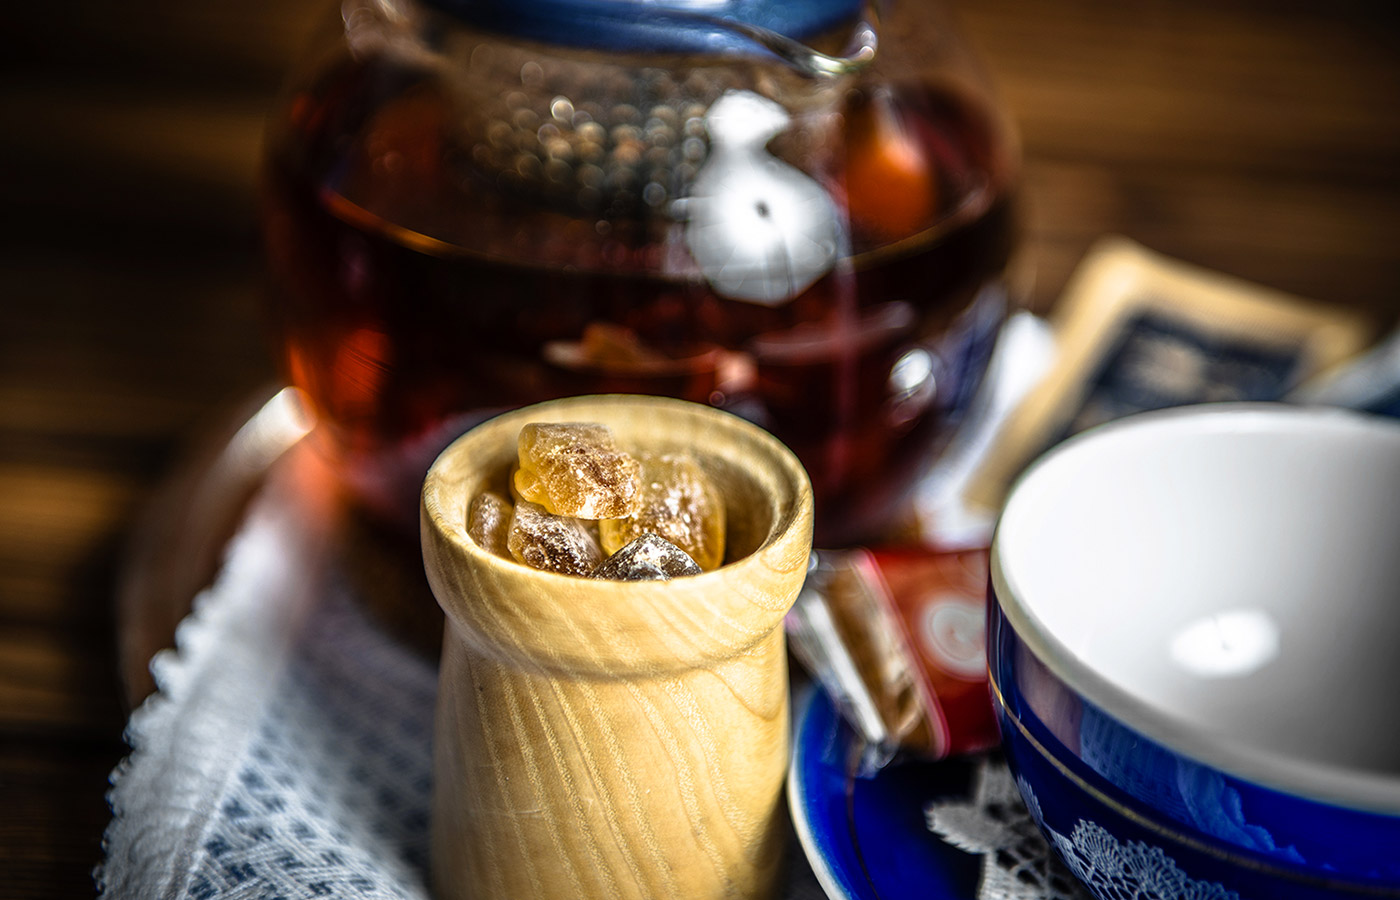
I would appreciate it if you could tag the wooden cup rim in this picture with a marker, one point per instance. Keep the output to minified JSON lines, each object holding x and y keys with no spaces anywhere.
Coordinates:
{"x":598,"y":628}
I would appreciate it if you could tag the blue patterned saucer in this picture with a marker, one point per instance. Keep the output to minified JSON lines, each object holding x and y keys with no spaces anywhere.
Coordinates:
{"x":867,"y":838}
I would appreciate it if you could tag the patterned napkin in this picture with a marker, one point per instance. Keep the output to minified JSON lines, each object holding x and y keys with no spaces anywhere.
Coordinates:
{"x":286,"y":753}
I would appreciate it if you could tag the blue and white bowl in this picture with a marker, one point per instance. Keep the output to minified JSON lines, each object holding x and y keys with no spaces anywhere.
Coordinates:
{"x":1194,"y":643}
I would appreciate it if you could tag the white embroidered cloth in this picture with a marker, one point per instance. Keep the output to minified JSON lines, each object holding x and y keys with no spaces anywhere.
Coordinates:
{"x":287,"y":752}
{"x":1007,"y":831}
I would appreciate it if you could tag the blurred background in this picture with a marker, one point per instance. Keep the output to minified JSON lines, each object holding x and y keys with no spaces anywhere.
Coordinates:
{"x":1256,"y":138}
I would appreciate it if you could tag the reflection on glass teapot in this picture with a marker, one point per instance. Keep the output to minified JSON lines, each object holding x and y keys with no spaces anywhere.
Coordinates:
{"x":801,"y":212}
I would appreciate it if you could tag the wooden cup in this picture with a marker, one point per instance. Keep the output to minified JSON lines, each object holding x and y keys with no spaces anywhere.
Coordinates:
{"x":606,"y":738}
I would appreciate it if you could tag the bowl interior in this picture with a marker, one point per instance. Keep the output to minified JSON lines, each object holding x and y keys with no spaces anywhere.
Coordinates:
{"x":1231,"y":575}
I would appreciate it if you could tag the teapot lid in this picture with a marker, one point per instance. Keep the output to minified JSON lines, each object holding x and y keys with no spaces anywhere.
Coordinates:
{"x":650,"y":26}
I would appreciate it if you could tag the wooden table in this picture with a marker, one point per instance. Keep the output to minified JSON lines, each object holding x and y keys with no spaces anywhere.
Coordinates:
{"x":1258,"y":138}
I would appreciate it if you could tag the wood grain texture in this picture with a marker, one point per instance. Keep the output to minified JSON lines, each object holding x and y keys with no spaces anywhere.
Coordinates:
{"x":615,"y":739}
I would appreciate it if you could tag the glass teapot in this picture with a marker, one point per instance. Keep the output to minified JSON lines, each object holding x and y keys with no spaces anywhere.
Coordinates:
{"x":800,"y":211}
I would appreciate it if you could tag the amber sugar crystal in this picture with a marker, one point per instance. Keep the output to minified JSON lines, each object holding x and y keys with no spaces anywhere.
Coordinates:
{"x":678,"y":502}
{"x":575,"y":469}
{"x":542,"y":540}
{"x":648,"y":558}
{"x":488,"y":522}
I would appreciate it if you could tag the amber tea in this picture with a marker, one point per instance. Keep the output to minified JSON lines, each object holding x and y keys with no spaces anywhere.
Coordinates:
{"x":425,"y":279}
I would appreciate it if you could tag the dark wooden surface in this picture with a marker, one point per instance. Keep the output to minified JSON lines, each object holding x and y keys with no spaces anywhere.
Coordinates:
{"x":1258,"y":138}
